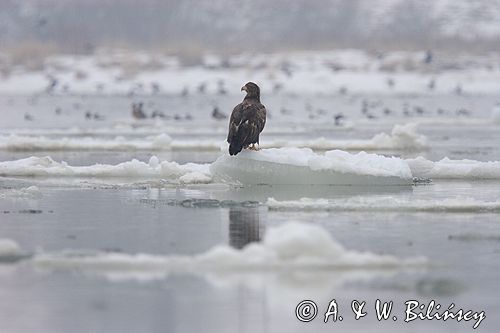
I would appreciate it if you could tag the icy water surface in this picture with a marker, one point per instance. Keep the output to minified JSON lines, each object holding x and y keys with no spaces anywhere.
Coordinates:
{"x":107,"y":217}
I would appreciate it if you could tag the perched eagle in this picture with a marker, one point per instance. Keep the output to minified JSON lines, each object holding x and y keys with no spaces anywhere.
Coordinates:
{"x":247,"y":121}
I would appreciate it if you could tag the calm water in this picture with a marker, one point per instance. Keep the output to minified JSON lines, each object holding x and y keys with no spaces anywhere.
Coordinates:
{"x":463,"y":248}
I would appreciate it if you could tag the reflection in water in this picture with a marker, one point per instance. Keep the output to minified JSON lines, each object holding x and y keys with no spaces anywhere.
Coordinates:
{"x":294,"y":192}
{"x":244,"y":226}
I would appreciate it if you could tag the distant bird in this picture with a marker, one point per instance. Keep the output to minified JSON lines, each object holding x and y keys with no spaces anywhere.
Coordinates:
{"x":390,"y":83}
{"x":441,"y":111}
{"x":28,"y":117}
{"x":277,"y":87}
{"x":88,"y":115}
{"x":185,"y":92}
{"x":217,"y":114}
{"x":338,"y":119}
{"x":97,"y":116}
{"x":432,"y":84}
{"x":221,"y":90}
{"x":157,"y":114}
{"x":419,"y":110}
{"x":155,"y":88}
{"x":364,"y":107}
{"x":285,"y":111}
{"x":286,"y":68}
{"x":58,"y":111}
{"x":247,"y":121}
{"x":428,"y":57}
{"x":202,"y":87}
{"x":137,"y":111}
{"x":52,"y":84}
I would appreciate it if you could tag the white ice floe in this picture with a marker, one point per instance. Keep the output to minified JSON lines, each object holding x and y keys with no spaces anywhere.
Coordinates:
{"x":303,"y":166}
{"x":387,"y":204}
{"x":454,"y":169}
{"x":47,"y":167}
{"x":402,"y":137}
{"x":31,"y":192}
{"x":119,"y":143}
{"x":8,"y":248}
{"x":291,"y":246}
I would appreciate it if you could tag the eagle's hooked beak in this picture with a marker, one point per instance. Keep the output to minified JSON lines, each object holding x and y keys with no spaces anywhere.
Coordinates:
{"x":244,"y":88}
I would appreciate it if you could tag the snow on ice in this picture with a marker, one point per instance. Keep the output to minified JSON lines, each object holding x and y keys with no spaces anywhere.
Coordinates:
{"x":303,"y":166}
{"x":454,"y":169}
{"x":47,"y":167}
{"x":402,"y":137}
{"x":386,"y":204}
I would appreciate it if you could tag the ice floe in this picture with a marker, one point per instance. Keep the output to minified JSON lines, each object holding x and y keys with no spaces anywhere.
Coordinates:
{"x":291,"y":246}
{"x":387,"y":204}
{"x":47,"y":167}
{"x":33,"y":143}
{"x":303,"y":166}
{"x":274,"y":166}
{"x":8,"y":247}
{"x":402,"y":137}
{"x":30,"y":192}
{"x":10,"y":252}
{"x":454,"y":169}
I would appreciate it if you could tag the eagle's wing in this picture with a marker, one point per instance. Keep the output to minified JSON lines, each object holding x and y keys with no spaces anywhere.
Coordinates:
{"x":246,"y":122}
{"x":234,"y":121}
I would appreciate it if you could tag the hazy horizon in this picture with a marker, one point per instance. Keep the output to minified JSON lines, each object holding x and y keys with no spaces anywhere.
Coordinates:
{"x":227,"y":26}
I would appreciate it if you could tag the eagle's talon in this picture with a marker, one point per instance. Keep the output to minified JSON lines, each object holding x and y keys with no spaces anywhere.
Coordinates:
{"x":252,"y":147}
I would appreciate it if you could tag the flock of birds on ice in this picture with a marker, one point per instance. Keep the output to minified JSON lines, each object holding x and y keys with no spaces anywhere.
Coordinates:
{"x":369,"y":108}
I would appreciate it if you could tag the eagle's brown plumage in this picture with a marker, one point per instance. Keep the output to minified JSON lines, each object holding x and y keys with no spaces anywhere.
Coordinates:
{"x":247,"y":120}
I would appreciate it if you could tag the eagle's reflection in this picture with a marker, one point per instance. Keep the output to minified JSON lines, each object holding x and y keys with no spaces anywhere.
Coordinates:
{"x":244,"y":226}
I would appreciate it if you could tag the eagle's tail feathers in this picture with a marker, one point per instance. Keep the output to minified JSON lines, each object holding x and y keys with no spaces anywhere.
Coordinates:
{"x":234,"y":148}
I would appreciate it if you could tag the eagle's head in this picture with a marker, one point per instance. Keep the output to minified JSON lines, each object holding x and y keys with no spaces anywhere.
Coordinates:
{"x":253,"y":90}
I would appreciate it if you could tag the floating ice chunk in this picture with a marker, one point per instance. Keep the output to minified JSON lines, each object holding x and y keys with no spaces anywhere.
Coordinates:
{"x":454,"y":169}
{"x":402,"y":137}
{"x":119,"y":143}
{"x":387,"y":204}
{"x":8,"y":247}
{"x":154,"y":162}
{"x":10,"y":252}
{"x":303,"y":166}
{"x":47,"y":167}
{"x":289,"y":246}
{"x":195,"y":178}
{"x":31,"y":192}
